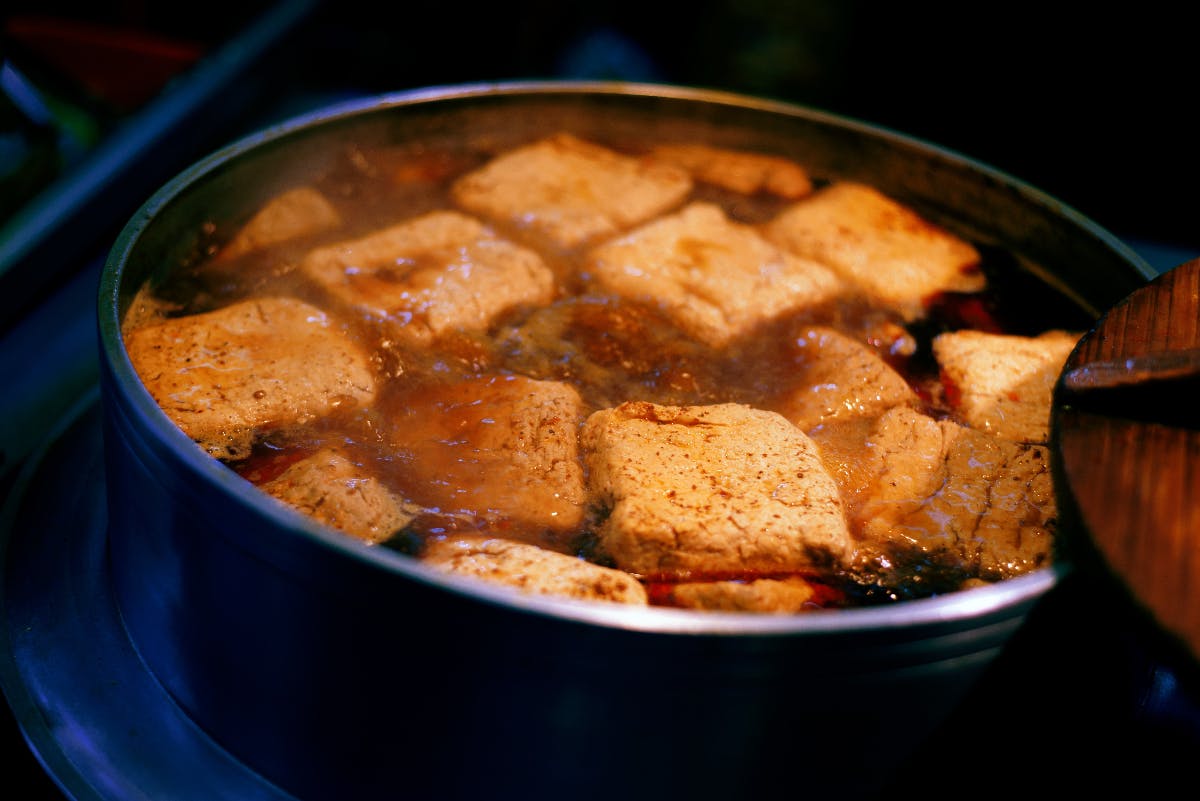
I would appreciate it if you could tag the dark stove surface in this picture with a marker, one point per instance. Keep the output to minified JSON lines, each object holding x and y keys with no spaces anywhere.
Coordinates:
{"x":1087,"y":688}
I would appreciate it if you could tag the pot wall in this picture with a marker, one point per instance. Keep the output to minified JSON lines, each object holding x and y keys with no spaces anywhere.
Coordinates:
{"x":325,"y":673}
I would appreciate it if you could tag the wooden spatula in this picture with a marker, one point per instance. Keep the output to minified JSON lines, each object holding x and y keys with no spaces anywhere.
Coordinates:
{"x":1125,"y":433}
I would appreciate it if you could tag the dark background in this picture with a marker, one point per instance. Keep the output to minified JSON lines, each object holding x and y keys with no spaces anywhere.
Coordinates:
{"x":1090,"y":106}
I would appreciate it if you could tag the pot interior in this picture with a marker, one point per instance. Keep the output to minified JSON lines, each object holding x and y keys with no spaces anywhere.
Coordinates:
{"x":272,"y":632}
{"x":1057,"y":267}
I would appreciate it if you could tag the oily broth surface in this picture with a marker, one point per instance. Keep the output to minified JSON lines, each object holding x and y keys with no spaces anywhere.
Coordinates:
{"x":610,"y":350}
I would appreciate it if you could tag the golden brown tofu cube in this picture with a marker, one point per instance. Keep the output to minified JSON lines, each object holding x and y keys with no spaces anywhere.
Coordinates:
{"x":740,"y":171}
{"x":503,"y":446}
{"x":705,"y":490}
{"x":838,"y":377}
{"x":293,"y":214}
{"x":330,"y":487}
{"x":439,"y":272}
{"x":223,"y":376}
{"x":1003,"y":383}
{"x":895,"y":257}
{"x":779,"y":596}
{"x":717,"y":279}
{"x":533,"y":570}
{"x":566,"y":191}
{"x":948,"y":492}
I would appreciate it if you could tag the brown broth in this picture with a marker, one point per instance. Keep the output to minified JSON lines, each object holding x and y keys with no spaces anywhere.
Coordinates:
{"x":610,"y":351}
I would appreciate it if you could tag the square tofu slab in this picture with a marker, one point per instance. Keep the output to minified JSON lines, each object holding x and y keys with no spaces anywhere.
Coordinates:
{"x":223,"y":376}
{"x":1003,"y":383}
{"x":330,"y":487}
{"x":296,"y":213}
{"x":738,"y":170}
{"x":837,"y":377}
{"x":716,"y":278}
{"x":501,"y":446}
{"x":565,"y":191}
{"x":784,"y":596}
{"x":436,"y":273}
{"x":703,"y":490}
{"x":896,"y":258}
{"x":947,"y":492}
{"x":532,"y":569}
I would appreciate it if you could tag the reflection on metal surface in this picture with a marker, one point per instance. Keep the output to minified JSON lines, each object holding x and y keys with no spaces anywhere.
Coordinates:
{"x":99,"y":722}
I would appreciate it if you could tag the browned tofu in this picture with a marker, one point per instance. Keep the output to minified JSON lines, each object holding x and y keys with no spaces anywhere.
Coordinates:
{"x":738,"y":170}
{"x":1003,"y":383}
{"x":778,"y":596}
{"x":496,"y":447}
{"x":963,"y":498}
{"x":702,"y":490}
{"x":896,"y":258}
{"x":330,"y":487}
{"x":716,"y":278}
{"x":839,"y":377}
{"x":223,"y":376}
{"x":293,"y":214}
{"x":439,"y":272}
{"x":566,"y":191}
{"x":533,"y":570}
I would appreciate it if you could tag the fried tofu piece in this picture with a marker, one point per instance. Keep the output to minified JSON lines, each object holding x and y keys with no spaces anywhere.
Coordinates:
{"x":330,"y":487}
{"x":496,"y":446}
{"x":716,"y":278}
{"x":533,"y":570}
{"x":740,"y":171}
{"x":226,"y":375}
{"x":705,"y":490}
{"x":1003,"y":383}
{"x":954,"y":495}
{"x":839,"y":377}
{"x":778,"y":596}
{"x":440,"y":272}
{"x":566,"y":191}
{"x":897,"y":258}
{"x":296,"y":213}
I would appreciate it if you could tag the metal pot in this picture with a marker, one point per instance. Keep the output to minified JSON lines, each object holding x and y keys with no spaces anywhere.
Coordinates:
{"x":335,"y":670}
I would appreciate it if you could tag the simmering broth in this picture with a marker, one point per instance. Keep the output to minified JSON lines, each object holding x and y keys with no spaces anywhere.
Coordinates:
{"x":673,"y":379}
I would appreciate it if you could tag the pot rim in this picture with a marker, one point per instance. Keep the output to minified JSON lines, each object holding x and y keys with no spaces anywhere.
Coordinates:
{"x":1004,"y":598}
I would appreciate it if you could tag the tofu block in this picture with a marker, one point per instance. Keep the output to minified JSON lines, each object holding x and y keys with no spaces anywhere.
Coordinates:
{"x":296,"y":213}
{"x":838,"y":377}
{"x":496,"y":446}
{"x":566,"y":191}
{"x":703,"y":490}
{"x":897,"y":259}
{"x":779,"y":596}
{"x":716,"y":278}
{"x":741,"y":171}
{"x":947,"y":492}
{"x":533,"y":570}
{"x":430,"y":275}
{"x":226,"y":375}
{"x":330,"y":487}
{"x":1002,"y":383}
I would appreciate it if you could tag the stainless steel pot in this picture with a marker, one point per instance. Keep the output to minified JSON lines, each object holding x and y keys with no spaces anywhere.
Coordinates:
{"x":335,"y":670}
